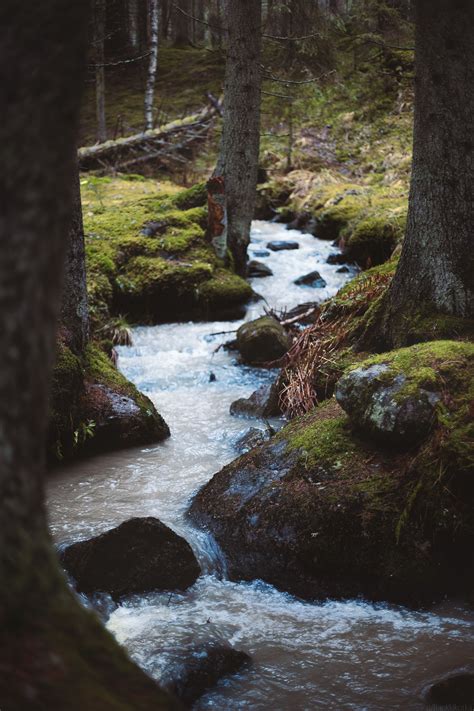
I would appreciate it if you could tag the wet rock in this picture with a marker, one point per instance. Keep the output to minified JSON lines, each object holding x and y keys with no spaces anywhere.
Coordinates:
{"x":258,"y":269}
{"x":154,"y":227}
{"x":320,"y":512}
{"x":139,"y":556}
{"x":313,"y":279}
{"x":201,"y":669}
{"x":304,"y":313}
{"x":119,"y":420}
{"x":261,"y":253}
{"x":343,"y":270}
{"x":262,"y":341}
{"x":384,"y":404}
{"x":264,"y":402}
{"x":279,"y":245}
{"x":336,"y":258}
{"x":456,"y":691}
{"x":253,"y":438}
{"x":212,"y":377}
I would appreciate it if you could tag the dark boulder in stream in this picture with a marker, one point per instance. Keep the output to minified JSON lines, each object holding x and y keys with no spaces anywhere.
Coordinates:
{"x":313,"y":279}
{"x":262,"y":341}
{"x":264,"y":402}
{"x":258,"y":269}
{"x":278,"y":245}
{"x":201,"y":669}
{"x":139,"y":556}
{"x":455,"y":691}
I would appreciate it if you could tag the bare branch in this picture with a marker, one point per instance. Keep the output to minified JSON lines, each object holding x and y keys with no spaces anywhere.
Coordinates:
{"x":197,"y":19}
{"x":120,"y":61}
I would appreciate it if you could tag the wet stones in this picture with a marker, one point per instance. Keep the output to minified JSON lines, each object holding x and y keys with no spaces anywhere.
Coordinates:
{"x":262,"y":341}
{"x":313,"y":279}
{"x":264,"y":402}
{"x":279,"y":245}
{"x":258,"y":269}
{"x":139,"y":556}
{"x":201,"y":669}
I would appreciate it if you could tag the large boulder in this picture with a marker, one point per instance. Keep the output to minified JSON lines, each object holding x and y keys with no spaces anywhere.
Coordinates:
{"x":313,"y":279}
{"x":321,"y":511}
{"x":279,"y":245}
{"x":262,"y":341}
{"x":257,"y":269}
{"x":395,"y":397}
{"x":139,"y":556}
{"x":264,"y":402}
{"x":201,"y":669}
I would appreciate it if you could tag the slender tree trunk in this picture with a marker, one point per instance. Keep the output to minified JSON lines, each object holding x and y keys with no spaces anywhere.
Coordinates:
{"x":133,"y":25}
{"x":99,"y":54}
{"x":152,"y":63}
{"x":436,"y":270}
{"x":74,"y":303}
{"x":53,"y":653}
{"x":238,"y":160}
{"x":182,"y":24}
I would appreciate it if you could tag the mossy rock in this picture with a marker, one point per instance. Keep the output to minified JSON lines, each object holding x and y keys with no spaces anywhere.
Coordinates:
{"x":148,"y":256}
{"x":262,"y":341}
{"x":320,"y":512}
{"x":373,"y":240}
{"x":66,"y":389}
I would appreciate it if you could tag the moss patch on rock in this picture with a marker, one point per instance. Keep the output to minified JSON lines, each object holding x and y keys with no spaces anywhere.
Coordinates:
{"x":147,"y":254}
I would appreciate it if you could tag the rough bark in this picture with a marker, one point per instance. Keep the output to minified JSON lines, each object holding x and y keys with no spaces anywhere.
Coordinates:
{"x":435,"y":274}
{"x":99,"y":58}
{"x":152,"y":62}
{"x":238,"y":161}
{"x":53,"y":654}
{"x":74,"y":303}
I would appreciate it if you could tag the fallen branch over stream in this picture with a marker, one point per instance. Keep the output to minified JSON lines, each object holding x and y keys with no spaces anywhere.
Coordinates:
{"x":163,"y":144}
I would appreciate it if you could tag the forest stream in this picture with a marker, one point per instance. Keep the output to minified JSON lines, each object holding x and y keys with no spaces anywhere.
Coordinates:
{"x":339,"y":655}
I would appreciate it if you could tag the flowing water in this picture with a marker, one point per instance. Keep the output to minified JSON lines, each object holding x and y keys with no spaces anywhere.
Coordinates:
{"x":336,"y":655}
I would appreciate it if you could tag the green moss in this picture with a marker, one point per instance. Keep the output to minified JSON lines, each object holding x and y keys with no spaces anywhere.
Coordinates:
{"x":321,"y":441}
{"x":193,"y":197}
{"x":225,"y":288}
{"x":374,"y":238}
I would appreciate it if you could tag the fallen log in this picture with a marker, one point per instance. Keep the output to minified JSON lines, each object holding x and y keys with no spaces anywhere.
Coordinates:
{"x":166,"y":142}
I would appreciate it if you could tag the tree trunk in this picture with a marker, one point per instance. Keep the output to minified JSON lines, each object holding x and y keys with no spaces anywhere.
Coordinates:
{"x":99,"y":58}
{"x":152,"y":62}
{"x":133,"y":25}
{"x":238,"y":160}
{"x":74,"y":303}
{"x":53,"y":653}
{"x":435,"y":274}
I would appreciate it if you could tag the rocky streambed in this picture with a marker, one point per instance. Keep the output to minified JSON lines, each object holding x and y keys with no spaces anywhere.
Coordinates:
{"x":305,"y":655}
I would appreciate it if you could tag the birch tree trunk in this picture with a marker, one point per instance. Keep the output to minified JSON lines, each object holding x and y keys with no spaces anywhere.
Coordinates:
{"x":238,"y":160}
{"x":152,"y":62}
{"x":99,"y":54}
{"x":53,"y":653}
{"x":435,"y":274}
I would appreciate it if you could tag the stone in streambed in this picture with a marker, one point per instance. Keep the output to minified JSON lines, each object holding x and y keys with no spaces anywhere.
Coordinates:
{"x":201,"y":669}
{"x":253,"y":438}
{"x":258,"y":269}
{"x":139,"y":556}
{"x":264,"y":402}
{"x":313,"y":279}
{"x":261,"y":253}
{"x":280,"y":245}
{"x":456,"y":691}
{"x":262,"y":341}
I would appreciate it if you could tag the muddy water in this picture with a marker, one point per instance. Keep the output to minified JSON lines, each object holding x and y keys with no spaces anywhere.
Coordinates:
{"x":338,"y":655}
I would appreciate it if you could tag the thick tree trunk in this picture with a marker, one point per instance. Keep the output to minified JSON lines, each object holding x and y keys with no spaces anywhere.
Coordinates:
{"x":238,"y":161}
{"x":53,"y":654}
{"x":436,"y":270}
{"x":74,"y":304}
{"x":99,"y":58}
{"x":152,"y":62}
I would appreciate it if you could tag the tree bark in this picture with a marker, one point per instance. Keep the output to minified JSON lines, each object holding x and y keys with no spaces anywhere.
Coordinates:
{"x":435,"y":274}
{"x":133,"y":25}
{"x":53,"y":653}
{"x":99,"y":55}
{"x":182,"y":23}
{"x":152,"y":62}
{"x":74,"y":304}
{"x":238,"y":160}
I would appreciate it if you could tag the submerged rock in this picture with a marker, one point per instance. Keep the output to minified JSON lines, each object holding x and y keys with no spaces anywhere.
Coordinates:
{"x":313,"y":279}
{"x":456,"y":691}
{"x":201,"y":669}
{"x":262,"y":341}
{"x":279,"y":245}
{"x":258,"y":269}
{"x":253,"y":438}
{"x":336,"y":258}
{"x":139,"y":556}
{"x":261,"y":253}
{"x":264,"y":402}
